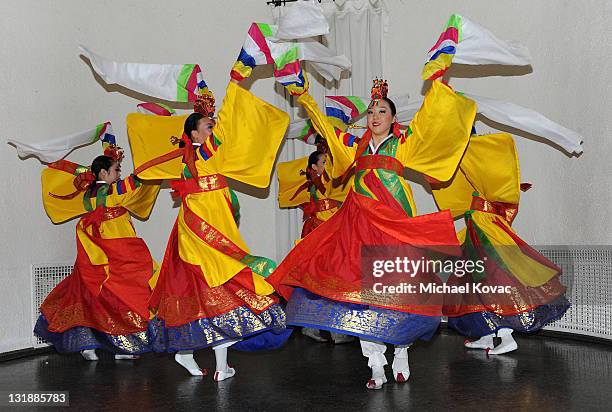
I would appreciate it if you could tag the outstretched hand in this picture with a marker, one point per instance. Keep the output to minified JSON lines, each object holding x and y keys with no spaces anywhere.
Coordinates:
{"x":296,"y":88}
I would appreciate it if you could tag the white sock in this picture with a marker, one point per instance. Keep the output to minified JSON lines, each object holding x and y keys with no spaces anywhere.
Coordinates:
{"x":185,"y":359}
{"x":313,"y":334}
{"x":483,"y":343}
{"x":508,"y":344}
{"x":221,"y":358}
{"x":378,"y":372}
{"x":504,"y":332}
{"x":222,"y":370}
{"x":340,"y":338}
{"x":378,"y":376}
{"x":121,"y":356}
{"x":89,"y":354}
{"x":400,"y":360}
{"x":375,"y":352}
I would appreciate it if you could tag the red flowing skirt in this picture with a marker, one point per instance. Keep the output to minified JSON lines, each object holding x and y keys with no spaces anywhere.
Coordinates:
{"x":522,"y":299}
{"x":328,"y":262}
{"x":182,"y":294}
{"x":116,"y":303}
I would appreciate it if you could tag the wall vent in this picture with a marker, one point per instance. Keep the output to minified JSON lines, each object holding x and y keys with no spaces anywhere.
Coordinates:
{"x":44,"y":278}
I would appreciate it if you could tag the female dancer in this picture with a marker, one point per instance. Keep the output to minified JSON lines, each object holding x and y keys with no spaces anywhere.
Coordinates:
{"x":306,"y":183}
{"x":486,"y":189}
{"x":104,"y":302}
{"x":211,"y":291}
{"x":322,"y":276}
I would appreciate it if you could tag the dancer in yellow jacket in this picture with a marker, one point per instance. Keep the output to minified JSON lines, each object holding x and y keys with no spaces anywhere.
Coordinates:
{"x":104,"y":302}
{"x":211,"y":291}
{"x":486,"y":190}
{"x":306,"y":182}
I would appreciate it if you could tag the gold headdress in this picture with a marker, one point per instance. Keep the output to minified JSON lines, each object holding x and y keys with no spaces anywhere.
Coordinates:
{"x":205,"y":103}
{"x":379,"y":91}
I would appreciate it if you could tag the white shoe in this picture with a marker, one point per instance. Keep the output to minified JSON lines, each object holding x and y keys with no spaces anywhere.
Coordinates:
{"x":90,"y":354}
{"x":401,"y":369}
{"x":223,"y":375}
{"x":378,"y":378}
{"x":339,"y":338}
{"x":187,"y":362}
{"x":486,"y":342}
{"x":508,"y":344}
{"x":314,"y":334}
{"x":119,"y":356}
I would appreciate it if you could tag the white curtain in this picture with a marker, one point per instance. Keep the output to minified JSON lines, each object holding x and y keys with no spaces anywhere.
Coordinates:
{"x":356,"y":30}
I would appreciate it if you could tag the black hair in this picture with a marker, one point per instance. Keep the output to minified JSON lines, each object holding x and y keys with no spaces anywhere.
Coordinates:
{"x":314,"y":157}
{"x":101,"y":163}
{"x":191,"y":124}
{"x":391,"y":104}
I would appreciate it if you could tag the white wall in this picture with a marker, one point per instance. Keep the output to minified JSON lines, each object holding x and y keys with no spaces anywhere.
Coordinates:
{"x":47,"y":91}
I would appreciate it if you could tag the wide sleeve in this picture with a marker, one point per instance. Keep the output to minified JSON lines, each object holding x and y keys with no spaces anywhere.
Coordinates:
{"x":490,"y":167}
{"x":249,"y":132}
{"x":135,"y":195}
{"x":455,"y":195}
{"x":491,"y":164}
{"x":341,"y":145}
{"x":291,"y":189}
{"x":57,"y":179}
{"x":153,"y":151}
{"x":438,"y":134}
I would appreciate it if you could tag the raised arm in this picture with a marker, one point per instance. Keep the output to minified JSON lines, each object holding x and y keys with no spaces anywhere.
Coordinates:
{"x":438,"y":134}
{"x":341,"y":144}
{"x":249,"y":132}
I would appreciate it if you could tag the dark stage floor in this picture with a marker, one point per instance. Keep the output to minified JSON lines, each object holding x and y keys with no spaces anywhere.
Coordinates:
{"x":548,"y":374}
